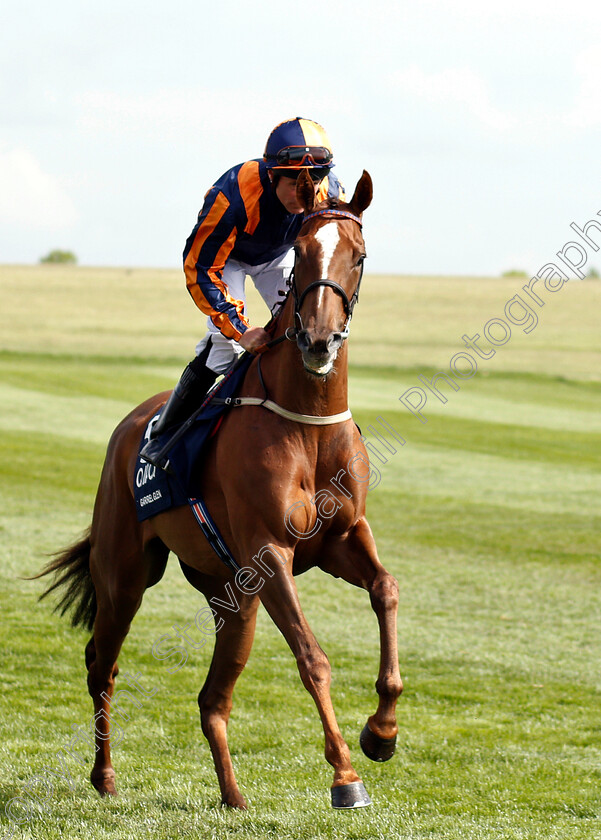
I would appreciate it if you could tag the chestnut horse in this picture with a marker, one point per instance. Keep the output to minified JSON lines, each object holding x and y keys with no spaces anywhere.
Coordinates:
{"x":261,"y":482}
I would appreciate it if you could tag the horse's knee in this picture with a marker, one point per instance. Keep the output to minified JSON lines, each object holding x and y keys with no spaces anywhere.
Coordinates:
{"x":384,"y":593}
{"x":314,"y":668}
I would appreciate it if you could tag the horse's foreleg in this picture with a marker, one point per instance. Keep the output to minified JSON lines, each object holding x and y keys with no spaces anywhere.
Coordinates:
{"x":355,"y":560}
{"x":280,"y":598}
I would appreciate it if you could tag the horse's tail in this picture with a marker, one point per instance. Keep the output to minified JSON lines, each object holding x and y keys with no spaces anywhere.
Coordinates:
{"x":71,"y":569}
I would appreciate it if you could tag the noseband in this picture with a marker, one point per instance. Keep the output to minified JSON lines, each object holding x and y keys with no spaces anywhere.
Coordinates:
{"x":349,"y":305}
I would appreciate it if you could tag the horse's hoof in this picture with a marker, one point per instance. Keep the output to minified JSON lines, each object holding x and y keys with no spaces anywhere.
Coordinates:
{"x":350,"y":796}
{"x":376,"y":748}
{"x":235,"y":802}
{"x":104,"y":784}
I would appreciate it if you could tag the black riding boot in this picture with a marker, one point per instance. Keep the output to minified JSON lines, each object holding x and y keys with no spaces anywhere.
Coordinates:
{"x":185,"y":398}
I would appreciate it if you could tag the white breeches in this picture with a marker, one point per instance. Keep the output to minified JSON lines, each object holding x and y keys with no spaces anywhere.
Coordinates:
{"x":269,"y":279}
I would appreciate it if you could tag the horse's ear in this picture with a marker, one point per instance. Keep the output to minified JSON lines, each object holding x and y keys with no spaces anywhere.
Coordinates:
{"x":363,"y":194}
{"x":305,"y":191}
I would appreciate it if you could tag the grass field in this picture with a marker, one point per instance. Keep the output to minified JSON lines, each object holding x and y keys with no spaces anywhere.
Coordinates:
{"x":489,"y":517}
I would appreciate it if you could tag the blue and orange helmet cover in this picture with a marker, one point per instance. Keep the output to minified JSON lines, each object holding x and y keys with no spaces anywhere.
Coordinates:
{"x":298,"y":134}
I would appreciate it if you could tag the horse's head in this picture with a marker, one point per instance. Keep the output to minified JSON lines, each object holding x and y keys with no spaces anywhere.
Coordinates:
{"x":327,"y":272}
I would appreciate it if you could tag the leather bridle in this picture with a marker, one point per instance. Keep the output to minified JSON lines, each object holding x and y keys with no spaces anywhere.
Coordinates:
{"x":349,"y":304}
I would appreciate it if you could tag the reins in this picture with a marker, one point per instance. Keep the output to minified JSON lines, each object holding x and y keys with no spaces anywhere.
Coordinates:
{"x":291,"y":333}
{"x":349,"y":305}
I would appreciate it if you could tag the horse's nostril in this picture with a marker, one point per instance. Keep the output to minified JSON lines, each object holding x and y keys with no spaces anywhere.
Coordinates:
{"x":334,"y":341}
{"x":302,"y":339}
{"x":324,"y":346}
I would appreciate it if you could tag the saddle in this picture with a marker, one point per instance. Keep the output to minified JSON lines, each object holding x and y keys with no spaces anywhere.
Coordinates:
{"x":157,"y":490}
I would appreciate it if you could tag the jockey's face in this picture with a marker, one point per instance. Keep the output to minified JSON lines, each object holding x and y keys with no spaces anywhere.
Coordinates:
{"x":286,"y":192}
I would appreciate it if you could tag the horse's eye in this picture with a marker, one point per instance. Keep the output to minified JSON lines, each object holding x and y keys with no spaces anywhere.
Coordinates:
{"x":361,"y":260}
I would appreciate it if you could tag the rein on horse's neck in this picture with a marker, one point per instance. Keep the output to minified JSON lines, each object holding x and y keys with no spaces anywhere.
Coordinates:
{"x":288,"y":383}
{"x":291,"y":391}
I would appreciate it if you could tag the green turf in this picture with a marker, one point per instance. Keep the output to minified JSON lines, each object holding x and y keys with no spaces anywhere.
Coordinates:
{"x":488,"y":516}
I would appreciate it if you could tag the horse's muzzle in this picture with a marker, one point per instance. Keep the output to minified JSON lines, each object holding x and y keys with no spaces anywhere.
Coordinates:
{"x":319,"y":353}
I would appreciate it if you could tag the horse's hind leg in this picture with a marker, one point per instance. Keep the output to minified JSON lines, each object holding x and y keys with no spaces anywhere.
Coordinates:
{"x":235,"y":628}
{"x":121,"y":572}
{"x":355,"y":560}
{"x":110,"y":629}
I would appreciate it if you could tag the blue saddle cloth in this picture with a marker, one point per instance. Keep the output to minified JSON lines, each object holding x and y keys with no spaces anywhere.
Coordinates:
{"x":155,"y":490}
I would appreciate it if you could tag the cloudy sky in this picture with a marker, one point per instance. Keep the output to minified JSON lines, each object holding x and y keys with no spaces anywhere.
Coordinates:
{"x":480,"y":123}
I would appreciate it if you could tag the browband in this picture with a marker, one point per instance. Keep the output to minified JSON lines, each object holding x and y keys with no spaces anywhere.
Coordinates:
{"x":330,"y":211}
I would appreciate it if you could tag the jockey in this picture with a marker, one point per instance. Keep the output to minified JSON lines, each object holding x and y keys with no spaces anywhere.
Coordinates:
{"x":247,"y":226}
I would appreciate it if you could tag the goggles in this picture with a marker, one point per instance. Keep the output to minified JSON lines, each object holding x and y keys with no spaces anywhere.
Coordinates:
{"x":304,"y":156}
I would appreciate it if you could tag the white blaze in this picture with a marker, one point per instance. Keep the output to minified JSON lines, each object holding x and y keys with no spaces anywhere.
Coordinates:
{"x":328,"y":238}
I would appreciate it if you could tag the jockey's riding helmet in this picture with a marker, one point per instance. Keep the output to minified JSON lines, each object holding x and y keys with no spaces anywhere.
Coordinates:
{"x":299,"y":144}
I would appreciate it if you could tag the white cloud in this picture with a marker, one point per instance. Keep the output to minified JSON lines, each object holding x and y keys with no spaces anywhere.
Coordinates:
{"x":455,"y":86}
{"x":517,"y":12}
{"x":587,"y":102}
{"x":459,"y":111}
{"x":174,"y":113}
{"x":464,"y":93}
{"x":29,"y":196}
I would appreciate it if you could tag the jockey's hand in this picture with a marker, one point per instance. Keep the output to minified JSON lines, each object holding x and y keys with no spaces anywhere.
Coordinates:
{"x":253,"y":339}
